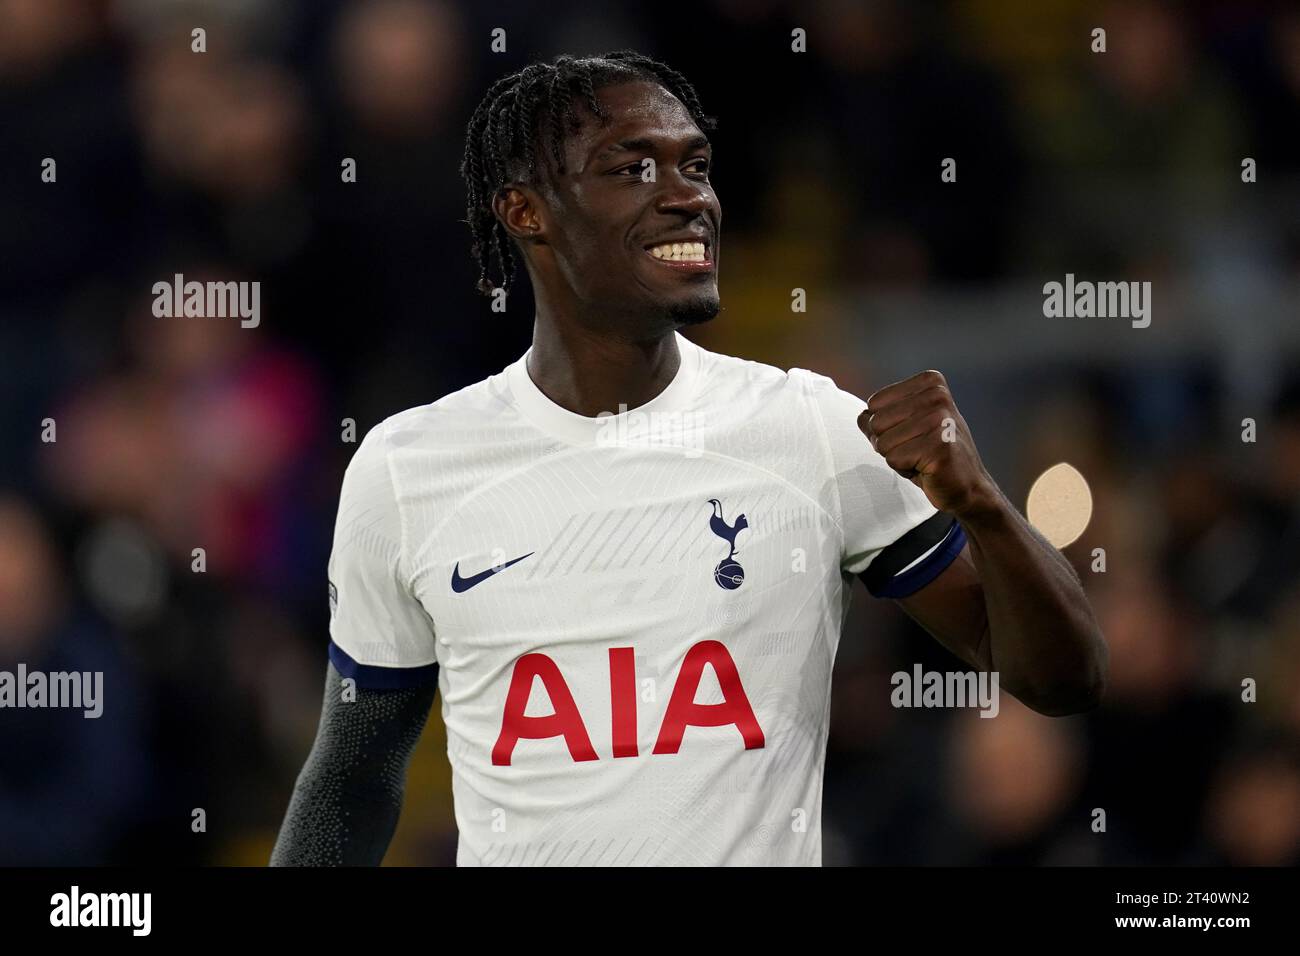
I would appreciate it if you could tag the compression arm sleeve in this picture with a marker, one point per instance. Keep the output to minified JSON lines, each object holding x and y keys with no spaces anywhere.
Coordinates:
{"x":348,"y":796}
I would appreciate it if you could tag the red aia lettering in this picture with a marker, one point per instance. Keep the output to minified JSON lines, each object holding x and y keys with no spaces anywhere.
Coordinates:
{"x":682,"y":710}
{"x":622,"y":700}
{"x":566,"y":720}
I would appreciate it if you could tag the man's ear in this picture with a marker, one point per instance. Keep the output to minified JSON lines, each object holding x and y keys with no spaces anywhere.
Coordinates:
{"x":520,"y":211}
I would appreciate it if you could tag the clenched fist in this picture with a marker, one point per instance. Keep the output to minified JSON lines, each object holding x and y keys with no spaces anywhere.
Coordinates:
{"x":915,"y":426}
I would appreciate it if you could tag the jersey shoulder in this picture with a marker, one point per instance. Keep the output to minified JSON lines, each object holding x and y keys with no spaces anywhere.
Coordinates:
{"x":772,"y":419}
{"x":440,"y":452}
{"x":461,"y":416}
{"x":753,"y":383}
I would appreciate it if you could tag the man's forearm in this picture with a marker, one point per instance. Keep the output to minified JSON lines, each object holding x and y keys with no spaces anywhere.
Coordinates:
{"x":1039,"y":633}
{"x":326,"y":825}
{"x":1043,"y":639}
{"x":348,"y":797}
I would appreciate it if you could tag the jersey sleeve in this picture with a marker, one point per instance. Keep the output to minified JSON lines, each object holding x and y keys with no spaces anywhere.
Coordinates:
{"x":380,"y":634}
{"x":894,"y":538}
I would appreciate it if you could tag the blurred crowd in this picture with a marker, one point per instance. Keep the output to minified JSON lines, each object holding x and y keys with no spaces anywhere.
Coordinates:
{"x":130,"y":441}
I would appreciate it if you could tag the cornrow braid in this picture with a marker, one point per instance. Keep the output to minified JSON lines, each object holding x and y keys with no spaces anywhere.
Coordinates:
{"x":526,"y":116}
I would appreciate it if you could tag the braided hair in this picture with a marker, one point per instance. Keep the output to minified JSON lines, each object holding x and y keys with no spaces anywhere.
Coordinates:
{"x":527,"y":113}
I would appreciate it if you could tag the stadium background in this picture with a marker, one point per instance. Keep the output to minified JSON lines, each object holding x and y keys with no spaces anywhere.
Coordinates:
{"x":182,"y":433}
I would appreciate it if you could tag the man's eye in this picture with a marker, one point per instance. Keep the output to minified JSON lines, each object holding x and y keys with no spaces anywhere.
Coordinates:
{"x":697,"y":167}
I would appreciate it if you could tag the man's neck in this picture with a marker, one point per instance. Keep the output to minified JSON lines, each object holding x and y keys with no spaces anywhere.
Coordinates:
{"x":590,"y":372}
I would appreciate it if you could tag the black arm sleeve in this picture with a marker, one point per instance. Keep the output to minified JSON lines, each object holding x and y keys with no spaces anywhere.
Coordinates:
{"x":348,"y":796}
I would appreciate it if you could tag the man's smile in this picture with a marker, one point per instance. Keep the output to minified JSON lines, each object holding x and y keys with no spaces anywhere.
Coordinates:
{"x":683,"y":255}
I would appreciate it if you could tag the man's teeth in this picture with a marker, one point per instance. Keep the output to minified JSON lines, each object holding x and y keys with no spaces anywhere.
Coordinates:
{"x":679,"y":251}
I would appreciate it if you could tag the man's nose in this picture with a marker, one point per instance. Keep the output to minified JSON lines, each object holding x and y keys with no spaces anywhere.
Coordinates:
{"x":679,"y":194}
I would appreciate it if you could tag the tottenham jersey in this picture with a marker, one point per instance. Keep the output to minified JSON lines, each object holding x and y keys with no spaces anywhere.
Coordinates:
{"x":632,"y":619}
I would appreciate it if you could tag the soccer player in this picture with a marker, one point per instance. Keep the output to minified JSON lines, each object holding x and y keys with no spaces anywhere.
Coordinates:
{"x":624,"y":561}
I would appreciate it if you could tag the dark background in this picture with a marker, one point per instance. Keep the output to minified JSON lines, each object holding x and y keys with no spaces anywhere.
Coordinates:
{"x":181,"y":433}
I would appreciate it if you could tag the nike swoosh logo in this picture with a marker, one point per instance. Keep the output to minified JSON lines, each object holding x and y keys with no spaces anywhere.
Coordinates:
{"x":459,"y":584}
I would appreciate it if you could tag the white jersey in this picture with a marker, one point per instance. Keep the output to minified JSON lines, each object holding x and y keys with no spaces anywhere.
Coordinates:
{"x":632,"y":619}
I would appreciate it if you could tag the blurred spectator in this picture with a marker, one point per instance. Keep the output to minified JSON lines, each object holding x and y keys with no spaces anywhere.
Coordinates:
{"x":72,"y":786}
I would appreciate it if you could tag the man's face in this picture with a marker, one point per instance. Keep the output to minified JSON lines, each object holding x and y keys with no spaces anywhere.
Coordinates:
{"x":612,"y":232}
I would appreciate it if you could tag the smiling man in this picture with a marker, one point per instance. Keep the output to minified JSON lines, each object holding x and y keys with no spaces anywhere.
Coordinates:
{"x":624,"y":561}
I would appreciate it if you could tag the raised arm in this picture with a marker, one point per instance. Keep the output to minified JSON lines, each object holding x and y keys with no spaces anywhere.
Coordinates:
{"x":348,"y":796}
{"x":1011,"y":602}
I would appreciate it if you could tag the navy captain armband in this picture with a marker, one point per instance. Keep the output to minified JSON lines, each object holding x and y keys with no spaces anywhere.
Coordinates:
{"x":915,"y":559}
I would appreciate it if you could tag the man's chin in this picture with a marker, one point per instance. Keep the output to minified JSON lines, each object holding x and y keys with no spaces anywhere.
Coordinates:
{"x":696,"y":310}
